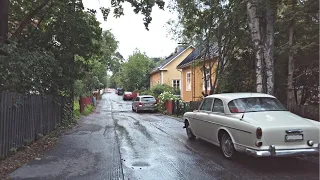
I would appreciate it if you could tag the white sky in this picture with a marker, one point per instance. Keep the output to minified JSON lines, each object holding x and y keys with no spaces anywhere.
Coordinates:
{"x":129,"y":29}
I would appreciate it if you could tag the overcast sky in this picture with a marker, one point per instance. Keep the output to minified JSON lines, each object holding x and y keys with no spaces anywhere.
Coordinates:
{"x":129,"y":30}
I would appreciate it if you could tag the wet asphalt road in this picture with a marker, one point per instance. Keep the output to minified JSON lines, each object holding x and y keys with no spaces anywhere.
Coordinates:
{"x":116,"y":143}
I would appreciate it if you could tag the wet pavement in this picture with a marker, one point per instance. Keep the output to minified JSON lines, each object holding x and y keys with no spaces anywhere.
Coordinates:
{"x":116,"y":143}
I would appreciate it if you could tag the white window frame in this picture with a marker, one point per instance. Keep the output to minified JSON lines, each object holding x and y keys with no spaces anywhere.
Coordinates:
{"x":176,"y":80}
{"x":188,"y":84}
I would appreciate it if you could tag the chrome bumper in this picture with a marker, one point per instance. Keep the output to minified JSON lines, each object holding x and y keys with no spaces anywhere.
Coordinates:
{"x":282,"y":153}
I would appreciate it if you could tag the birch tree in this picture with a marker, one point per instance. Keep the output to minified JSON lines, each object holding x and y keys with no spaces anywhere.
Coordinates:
{"x":261,"y":22}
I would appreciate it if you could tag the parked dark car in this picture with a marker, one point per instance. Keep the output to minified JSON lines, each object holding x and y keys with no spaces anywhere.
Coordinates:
{"x":120,"y":91}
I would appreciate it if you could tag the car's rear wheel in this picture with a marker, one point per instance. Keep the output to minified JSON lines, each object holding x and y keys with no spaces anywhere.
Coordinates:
{"x":190,"y":134}
{"x":227,"y":146}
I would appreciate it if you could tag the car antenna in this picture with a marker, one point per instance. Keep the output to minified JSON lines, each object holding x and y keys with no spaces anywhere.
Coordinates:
{"x":245,"y":107}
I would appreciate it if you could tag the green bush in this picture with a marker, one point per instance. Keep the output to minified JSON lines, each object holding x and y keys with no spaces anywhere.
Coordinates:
{"x":76,"y":109}
{"x":163,"y":98}
{"x":146,"y":92}
{"x":88,"y":109}
{"x":160,"y":88}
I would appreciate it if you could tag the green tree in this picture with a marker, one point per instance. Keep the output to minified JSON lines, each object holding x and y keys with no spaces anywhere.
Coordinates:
{"x":32,"y":9}
{"x":218,"y":24}
{"x":297,"y":42}
{"x":135,"y":72}
{"x":46,"y":50}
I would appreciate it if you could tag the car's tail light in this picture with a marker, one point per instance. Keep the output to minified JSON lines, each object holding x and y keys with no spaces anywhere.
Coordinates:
{"x":259,"y":133}
{"x":140,"y":104}
{"x":235,"y":110}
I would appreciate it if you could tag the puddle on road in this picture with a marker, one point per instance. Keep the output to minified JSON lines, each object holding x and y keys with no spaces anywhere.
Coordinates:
{"x":143,"y":130}
{"x":141,"y":164}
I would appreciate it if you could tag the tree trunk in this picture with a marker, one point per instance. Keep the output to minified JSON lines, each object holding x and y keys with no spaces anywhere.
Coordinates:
{"x":4,"y":11}
{"x":290,"y":91}
{"x":254,"y":25}
{"x":210,"y":78}
{"x":269,"y":46}
{"x":213,"y":86}
{"x":205,"y":72}
{"x":28,"y":18}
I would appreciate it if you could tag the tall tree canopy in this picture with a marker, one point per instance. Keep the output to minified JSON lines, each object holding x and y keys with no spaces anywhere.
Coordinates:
{"x":135,"y":72}
{"x":33,"y":12}
{"x":280,"y":37}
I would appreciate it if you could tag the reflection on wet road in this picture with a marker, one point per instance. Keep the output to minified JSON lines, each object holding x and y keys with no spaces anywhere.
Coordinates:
{"x":154,"y":146}
{"x":121,"y":144}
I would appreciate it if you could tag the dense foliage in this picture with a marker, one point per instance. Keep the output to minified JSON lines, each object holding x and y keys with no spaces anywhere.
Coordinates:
{"x":134,"y":74}
{"x":281,"y":60}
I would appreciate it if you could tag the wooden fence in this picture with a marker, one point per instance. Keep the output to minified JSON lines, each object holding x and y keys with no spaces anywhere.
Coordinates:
{"x":307,"y":111}
{"x":23,"y":118}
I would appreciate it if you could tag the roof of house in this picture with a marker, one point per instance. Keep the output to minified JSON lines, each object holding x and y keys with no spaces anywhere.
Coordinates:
{"x":169,"y":59}
{"x":199,"y":53}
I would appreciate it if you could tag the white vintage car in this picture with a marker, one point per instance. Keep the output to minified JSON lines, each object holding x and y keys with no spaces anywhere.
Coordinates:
{"x":253,"y":123}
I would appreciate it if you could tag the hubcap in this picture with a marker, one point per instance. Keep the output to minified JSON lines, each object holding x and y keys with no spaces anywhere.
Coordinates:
{"x":227,"y":146}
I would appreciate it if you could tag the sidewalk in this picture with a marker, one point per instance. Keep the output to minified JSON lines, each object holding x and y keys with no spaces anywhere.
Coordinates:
{"x":89,"y":151}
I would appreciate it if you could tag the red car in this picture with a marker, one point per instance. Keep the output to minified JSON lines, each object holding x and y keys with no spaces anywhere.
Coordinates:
{"x":127,"y":96}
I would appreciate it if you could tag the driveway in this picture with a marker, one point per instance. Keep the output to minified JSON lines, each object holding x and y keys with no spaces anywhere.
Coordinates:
{"x":116,"y":143}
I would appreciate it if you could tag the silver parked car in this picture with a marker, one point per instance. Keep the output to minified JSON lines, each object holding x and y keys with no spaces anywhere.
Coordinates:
{"x":144,"y":103}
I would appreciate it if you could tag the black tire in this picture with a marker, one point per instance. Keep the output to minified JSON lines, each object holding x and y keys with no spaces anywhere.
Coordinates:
{"x":227,"y":147}
{"x":132,"y":108}
{"x":190,"y":134}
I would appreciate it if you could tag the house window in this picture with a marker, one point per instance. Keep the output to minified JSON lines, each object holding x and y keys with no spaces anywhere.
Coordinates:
{"x":176,"y":83}
{"x":188,"y":84}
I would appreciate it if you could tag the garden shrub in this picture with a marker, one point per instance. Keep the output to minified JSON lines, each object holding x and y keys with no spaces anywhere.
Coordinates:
{"x":164,"y":97}
{"x":76,"y":109}
{"x":146,"y":92}
{"x":88,"y":109}
{"x":160,"y":88}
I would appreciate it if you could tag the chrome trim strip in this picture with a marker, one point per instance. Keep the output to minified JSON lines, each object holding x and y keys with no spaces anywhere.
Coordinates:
{"x":294,"y":131}
{"x":282,"y":153}
{"x":223,"y":125}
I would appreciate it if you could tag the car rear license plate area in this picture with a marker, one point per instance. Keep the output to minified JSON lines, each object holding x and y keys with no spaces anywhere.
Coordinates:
{"x":294,"y":137}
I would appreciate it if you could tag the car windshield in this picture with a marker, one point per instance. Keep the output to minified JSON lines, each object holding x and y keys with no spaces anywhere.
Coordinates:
{"x":148,"y":99}
{"x":255,"y":104}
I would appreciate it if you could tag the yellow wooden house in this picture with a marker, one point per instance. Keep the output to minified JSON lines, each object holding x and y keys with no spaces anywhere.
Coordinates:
{"x":192,"y":75}
{"x":166,"y":72}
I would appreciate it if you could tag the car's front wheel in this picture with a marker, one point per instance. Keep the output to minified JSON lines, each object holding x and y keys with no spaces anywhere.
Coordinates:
{"x":227,"y":147}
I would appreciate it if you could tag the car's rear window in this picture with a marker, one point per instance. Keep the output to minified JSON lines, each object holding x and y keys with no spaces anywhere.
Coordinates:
{"x":148,"y":99}
{"x":255,"y":104}
{"x":127,"y":93}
